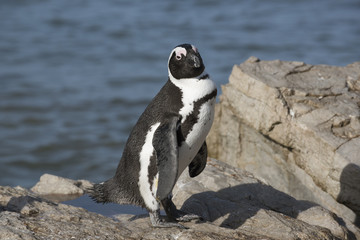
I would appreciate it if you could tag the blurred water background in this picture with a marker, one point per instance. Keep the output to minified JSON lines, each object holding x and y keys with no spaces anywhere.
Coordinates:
{"x":76,"y":75}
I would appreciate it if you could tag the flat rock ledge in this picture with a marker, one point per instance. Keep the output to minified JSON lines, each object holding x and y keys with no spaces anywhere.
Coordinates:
{"x":295,"y":126}
{"x":234,"y":204}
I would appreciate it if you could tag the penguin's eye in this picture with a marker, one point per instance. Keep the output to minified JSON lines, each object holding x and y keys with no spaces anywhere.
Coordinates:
{"x":179,"y":52}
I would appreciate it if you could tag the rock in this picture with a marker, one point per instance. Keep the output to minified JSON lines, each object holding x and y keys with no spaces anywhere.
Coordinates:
{"x":234,"y":203}
{"x":54,"y":187}
{"x":232,"y":198}
{"x":24,"y":215}
{"x":297,"y":127}
{"x":141,"y":229}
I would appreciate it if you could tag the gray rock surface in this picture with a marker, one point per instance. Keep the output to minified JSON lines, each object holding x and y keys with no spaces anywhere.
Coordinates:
{"x":24,"y":215}
{"x":236,"y":200}
{"x":297,"y":127}
{"x":234,"y":204}
{"x":58,"y":188}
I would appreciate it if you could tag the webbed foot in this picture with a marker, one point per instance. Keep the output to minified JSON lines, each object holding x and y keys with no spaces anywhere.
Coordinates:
{"x":156,"y":221}
{"x":176,"y":214}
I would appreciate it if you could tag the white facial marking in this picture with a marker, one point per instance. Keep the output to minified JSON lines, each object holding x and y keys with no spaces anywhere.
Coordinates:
{"x":178,"y":51}
{"x":194,"y":48}
{"x":146,"y":153}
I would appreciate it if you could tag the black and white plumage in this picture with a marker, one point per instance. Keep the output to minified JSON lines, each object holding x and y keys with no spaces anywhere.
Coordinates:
{"x":168,"y":137}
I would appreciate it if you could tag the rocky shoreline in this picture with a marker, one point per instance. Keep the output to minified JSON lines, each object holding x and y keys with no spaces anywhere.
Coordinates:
{"x":286,"y":134}
{"x":234,"y":204}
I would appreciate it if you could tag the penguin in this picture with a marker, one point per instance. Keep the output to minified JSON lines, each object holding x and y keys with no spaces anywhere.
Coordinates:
{"x":168,"y":137}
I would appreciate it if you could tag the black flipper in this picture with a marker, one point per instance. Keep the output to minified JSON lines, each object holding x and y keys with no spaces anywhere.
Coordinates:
{"x":166,"y":146}
{"x":198,"y":164}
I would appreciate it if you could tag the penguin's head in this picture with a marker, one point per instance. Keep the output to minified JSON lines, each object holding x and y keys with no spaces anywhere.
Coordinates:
{"x":185,"y":62}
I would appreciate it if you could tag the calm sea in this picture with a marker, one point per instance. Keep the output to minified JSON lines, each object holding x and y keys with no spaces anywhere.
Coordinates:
{"x":76,"y":75}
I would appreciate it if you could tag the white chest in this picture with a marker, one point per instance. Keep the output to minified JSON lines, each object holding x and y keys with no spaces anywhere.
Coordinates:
{"x":193,"y":90}
{"x":197,"y":135}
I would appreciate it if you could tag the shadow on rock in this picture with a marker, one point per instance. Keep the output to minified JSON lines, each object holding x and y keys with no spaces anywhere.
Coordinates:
{"x":350,"y":189}
{"x":25,"y":205}
{"x":234,"y":205}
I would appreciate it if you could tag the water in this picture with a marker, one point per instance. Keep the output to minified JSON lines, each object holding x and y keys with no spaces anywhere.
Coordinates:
{"x":76,"y":75}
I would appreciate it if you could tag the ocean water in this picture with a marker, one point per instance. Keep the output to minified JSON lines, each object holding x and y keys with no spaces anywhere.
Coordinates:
{"x":76,"y":75}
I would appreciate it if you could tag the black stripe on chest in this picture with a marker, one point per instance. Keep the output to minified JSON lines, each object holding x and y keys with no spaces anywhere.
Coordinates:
{"x":193,"y":117}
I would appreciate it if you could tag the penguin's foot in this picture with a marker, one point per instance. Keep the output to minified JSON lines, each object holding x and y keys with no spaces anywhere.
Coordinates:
{"x":156,"y":221}
{"x":173,"y":213}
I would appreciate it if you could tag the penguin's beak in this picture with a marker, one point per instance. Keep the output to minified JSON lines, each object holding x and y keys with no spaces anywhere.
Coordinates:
{"x":196,"y":61}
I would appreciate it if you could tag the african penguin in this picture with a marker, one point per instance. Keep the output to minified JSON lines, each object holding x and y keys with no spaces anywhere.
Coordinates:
{"x":168,"y":137}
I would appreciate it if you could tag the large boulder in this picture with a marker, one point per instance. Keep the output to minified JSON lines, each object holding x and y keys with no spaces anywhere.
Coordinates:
{"x":296,"y":126}
{"x":234,"y":204}
{"x":234,"y":199}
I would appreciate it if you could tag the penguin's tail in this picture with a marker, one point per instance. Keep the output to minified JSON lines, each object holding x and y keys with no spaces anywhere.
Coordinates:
{"x":98,"y":193}
{"x":109,"y":192}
